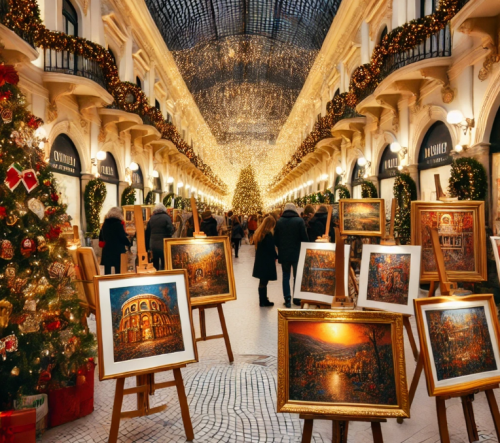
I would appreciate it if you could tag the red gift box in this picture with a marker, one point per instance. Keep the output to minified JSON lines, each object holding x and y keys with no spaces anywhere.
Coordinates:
{"x":68,"y":404}
{"x":18,"y":426}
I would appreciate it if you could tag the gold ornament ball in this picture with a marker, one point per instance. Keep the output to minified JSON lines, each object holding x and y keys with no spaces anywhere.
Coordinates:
{"x":15,"y":371}
{"x":80,"y":380}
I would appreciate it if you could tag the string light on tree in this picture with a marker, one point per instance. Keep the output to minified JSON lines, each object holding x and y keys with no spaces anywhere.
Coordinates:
{"x":247,"y":198}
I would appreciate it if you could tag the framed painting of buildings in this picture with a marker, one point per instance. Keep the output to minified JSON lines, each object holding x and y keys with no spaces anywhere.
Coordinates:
{"x":389,"y":277}
{"x":365,"y":217}
{"x":495,"y":243}
{"x":462,"y":236}
{"x":459,"y":339}
{"x":144,"y":323}
{"x":345,"y":363}
{"x":315,"y":279}
{"x":209,"y":265}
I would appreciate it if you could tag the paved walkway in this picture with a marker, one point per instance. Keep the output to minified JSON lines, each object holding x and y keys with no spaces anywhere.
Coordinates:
{"x":237,"y":403}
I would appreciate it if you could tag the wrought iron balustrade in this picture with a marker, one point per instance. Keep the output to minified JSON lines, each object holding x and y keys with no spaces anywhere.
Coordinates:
{"x":27,"y":36}
{"x":65,"y":62}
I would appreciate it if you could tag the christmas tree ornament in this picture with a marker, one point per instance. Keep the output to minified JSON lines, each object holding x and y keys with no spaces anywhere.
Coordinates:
{"x":56,"y":270}
{"x":42,"y":286}
{"x":17,"y":285}
{"x":6,"y":250}
{"x":37,"y":207}
{"x":80,"y":380}
{"x":44,"y":197}
{"x":3,"y":212}
{"x":12,"y":220}
{"x":16,"y":136}
{"x":30,"y":324}
{"x":21,"y":209}
{"x":41,"y":243}
{"x":10,"y":271}
{"x":14,"y":176}
{"x":8,"y":344}
{"x":28,"y":246}
{"x":30,"y":305}
{"x":15,"y":371}
{"x":7,"y":115}
{"x":29,"y":180}
{"x":5,"y":313}
{"x":8,"y":74}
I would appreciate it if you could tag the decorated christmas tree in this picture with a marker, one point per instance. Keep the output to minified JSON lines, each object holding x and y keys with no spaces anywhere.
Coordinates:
{"x":44,"y":341}
{"x":247,"y":199}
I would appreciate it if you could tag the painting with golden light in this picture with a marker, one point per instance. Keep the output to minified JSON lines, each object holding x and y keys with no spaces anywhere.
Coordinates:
{"x":362,"y":217}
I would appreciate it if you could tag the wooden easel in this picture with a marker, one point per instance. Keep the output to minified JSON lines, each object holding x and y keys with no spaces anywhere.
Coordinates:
{"x":146,"y":386}
{"x":203,"y":327}
{"x":197,"y":233}
{"x":389,"y":240}
{"x":144,"y":267}
{"x":340,"y":299}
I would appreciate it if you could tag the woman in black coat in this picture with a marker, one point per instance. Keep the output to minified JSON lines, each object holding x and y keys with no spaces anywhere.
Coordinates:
{"x":159,"y":227}
{"x":113,"y":240}
{"x":237,"y":234}
{"x":264,"y":267}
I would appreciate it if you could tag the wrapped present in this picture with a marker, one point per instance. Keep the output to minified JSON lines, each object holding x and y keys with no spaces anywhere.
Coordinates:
{"x":18,"y":426}
{"x":41,"y":403}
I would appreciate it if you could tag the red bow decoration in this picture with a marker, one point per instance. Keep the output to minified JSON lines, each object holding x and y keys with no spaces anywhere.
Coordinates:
{"x":16,"y":175}
{"x":8,"y":74}
{"x":7,"y":431}
{"x":8,"y":344}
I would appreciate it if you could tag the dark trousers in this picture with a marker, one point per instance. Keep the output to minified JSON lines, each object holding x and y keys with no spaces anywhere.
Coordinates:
{"x":158,"y":259}
{"x":236,"y":242}
{"x":287,"y":268}
{"x":263,"y":283}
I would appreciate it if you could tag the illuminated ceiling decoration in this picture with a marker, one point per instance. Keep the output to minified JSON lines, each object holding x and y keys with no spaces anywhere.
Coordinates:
{"x":244,"y":61}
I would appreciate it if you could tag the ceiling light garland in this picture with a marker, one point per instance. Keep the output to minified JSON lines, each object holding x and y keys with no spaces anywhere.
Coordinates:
{"x":366,"y":76}
{"x":24,"y":16}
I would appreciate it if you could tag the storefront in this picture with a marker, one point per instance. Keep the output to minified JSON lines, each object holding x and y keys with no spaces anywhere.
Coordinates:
{"x":138,"y":185}
{"x":495,"y":171}
{"x":157,"y":189}
{"x":387,"y":172}
{"x":434,"y":158}
{"x":356,"y":180}
{"x":108,"y":172}
{"x":66,"y":166}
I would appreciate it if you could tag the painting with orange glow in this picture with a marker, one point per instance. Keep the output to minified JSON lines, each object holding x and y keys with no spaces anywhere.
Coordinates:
{"x":456,"y":236}
{"x":318,"y":274}
{"x":389,"y":278}
{"x":338,"y":362}
{"x":361,"y":216}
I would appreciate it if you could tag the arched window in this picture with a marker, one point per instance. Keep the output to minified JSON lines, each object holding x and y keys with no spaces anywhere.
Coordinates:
{"x":154,"y":306}
{"x":126,"y":311}
{"x":133,"y":308}
{"x":138,"y":82}
{"x":384,"y":33}
{"x":144,"y":306}
{"x":70,"y":18}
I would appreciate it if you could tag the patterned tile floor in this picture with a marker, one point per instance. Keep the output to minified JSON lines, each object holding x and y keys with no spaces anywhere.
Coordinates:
{"x":237,"y":402}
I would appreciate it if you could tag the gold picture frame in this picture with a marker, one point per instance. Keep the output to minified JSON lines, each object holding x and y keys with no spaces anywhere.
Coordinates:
{"x":461,"y":228}
{"x":477,"y":313}
{"x":222,"y":289}
{"x":156,"y":315}
{"x":291,"y":322}
{"x":371,"y":226}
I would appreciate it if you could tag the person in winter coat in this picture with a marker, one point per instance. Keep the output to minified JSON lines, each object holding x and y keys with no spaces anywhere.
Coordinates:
{"x":236,"y":234}
{"x":159,"y":227}
{"x":113,"y":240}
{"x":317,"y":225}
{"x":264,"y":267}
{"x":252,"y":226}
{"x":209,"y":224}
{"x":290,"y":232}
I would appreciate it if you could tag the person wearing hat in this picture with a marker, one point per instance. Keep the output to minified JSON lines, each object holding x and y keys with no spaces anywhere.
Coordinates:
{"x":290,"y":232}
{"x":208,"y":224}
{"x":159,"y":227}
{"x":317,"y":225}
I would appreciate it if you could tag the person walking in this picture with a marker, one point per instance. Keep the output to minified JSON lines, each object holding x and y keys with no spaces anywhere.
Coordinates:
{"x":317,"y":225}
{"x":252,"y":226}
{"x":209,"y":224}
{"x":264,"y":267}
{"x":159,"y":227}
{"x":113,"y":240}
{"x":236,"y":235}
{"x":290,"y":232}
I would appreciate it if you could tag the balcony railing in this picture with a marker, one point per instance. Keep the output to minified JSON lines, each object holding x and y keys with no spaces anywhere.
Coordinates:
{"x":65,"y":62}
{"x":436,"y":45}
{"x":28,"y":37}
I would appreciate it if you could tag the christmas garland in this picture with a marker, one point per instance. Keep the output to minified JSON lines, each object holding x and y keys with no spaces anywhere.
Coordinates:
{"x":405,"y":190}
{"x":368,"y":190}
{"x":150,"y":198}
{"x":128,"y":196}
{"x":468,"y":179}
{"x":167,"y":200}
{"x":343,"y":191}
{"x":94,"y":195}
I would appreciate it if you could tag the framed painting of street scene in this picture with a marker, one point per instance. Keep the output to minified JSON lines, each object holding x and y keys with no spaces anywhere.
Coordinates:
{"x":495,"y":243}
{"x":364,"y":217}
{"x":346,"y":363}
{"x":316,"y":272}
{"x":462,"y":236}
{"x":209,"y":266}
{"x":144,"y":323}
{"x":389,"y":277}
{"x":459,"y":339}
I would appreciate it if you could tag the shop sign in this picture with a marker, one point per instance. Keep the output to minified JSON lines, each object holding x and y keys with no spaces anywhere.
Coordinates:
{"x":64,"y":158}
{"x":388,"y":164}
{"x":436,"y":147}
{"x":108,"y":171}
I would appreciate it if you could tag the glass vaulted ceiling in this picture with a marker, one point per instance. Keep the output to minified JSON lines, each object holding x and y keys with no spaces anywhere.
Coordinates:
{"x":244,"y":61}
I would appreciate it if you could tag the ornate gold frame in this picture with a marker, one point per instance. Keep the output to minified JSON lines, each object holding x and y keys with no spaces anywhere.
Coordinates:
{"x":402,"y":409}
{"x":379,"y":233}
{"x":480,"y":273}
{"x":209,"y":299}
{"x":425,"y":346}
{"x":100,"y":350}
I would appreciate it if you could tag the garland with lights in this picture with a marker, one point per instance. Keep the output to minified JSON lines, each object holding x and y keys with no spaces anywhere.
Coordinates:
{"x":468,"y":179}
{"x":343,"y":191}
{"x":405,"y":190}
{"x":167,"y":200}
{"x":368,"y":190}
{"x":247,"y":198}
{"x":367,"y":77}
{"x":23,"y":16}
{"x":93,"y":197}
{"x":128,"y":196}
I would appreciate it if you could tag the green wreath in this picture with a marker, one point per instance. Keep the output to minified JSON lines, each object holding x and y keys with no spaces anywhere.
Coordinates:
{"x":405,"y":190}
{"x":167,"y":200}
{"x":368,"y":190}
{"x":94,"y":195}
{"x":343,"y":191}
{"x":468,"y":179}
{"x":128,"y":196}
{"x":329,"y":196}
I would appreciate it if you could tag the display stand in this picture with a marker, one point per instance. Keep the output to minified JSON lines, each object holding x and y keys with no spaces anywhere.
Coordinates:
{"x":144,"y":267}
{"x":389,"y":240}
{"x":146,"y":386}
{"x":340,"y":299}
{"x":197,"y":233}
{"x":440,"y":195}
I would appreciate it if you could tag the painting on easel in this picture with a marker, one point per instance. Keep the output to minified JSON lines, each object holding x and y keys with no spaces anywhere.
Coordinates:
{"x":495,"y":242}
{"x":143,"y":323}
{"x":389,"y":277}
{"x":461,"y":231}
{"x":364,"y":217}
{"x":342,"y":363}
{"x":460,"y":341}
{"x":209,"y":267}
